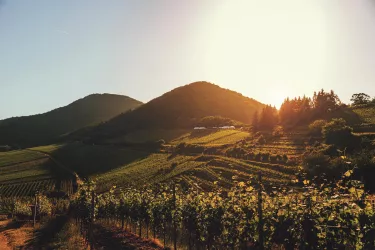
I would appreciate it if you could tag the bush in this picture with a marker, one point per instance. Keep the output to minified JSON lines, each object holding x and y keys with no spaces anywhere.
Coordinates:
{"x":292,"y":161}
{"x":285,"y":158}
{"x":258,"y":157}
{"x":278,"y":131}
{"x":261,"y":140}
{"x":265,"y":156}
{"x":337,"y":133}
{"x":316,"y":127}
{"x":273,"y":158}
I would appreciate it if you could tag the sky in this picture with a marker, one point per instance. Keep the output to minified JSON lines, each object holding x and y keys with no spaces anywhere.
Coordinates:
{"x":55,"y":52}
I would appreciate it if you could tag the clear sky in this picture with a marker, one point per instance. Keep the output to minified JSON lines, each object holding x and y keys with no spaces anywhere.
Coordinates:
{"x":54,"y":52}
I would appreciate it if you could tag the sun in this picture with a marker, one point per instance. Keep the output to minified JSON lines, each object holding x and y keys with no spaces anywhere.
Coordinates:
{"x":264,"y":47}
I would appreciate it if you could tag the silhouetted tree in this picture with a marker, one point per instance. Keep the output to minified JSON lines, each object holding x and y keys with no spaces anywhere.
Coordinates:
{"x":255,"y":121}
{"x":325,"y":101}
{"x":360,"y":98}
{"x":268,"y":118}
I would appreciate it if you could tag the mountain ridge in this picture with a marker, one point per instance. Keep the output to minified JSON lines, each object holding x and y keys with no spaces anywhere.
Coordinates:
{"x":182,"y":107}
{"x":46,"y":127}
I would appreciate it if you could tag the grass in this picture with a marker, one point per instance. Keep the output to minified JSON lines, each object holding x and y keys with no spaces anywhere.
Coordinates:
{"x":144,"y":135}
{"x":23,"y":172}
{"x":88,"y":160}
{"x":47,"y":149}
{"x":155,"y":168}
{"x":212,"y":137}
{"x":367,"y":114}
{"x":162,"y":167}
{"x":18,"y":156}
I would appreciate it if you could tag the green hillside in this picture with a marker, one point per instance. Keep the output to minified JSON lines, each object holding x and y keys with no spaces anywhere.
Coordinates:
{"x":110,"y":165}
{"x":46,"y":128}
{"x":181,"y":108}
{"x":24,"y":172}
{"x":212,"y":137}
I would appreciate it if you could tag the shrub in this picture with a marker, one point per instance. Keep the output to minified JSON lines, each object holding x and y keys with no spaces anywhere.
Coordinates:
{"x":316,"y":127}
{"x":336,"y":132}
{"x":278,"y":131}
{"x":265,"y":156}
{"x":258,"y":157}
{"x":273,"y":158}
{"x":261,"y":140}
{"x":292,"y":161}
{"x":285,"y":158}
{"x":279,"y":158}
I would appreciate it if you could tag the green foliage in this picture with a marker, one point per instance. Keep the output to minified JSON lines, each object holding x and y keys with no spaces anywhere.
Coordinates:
{"x":268,"y":118}
{"x":217,"y":121}
{"x":315,"y":217}
{"x":316,"y":127}
{"x":212,"y":137}
{"x":367,"y":113}
{"x":255,"y":121}
{"x":336,"y":132}
{"x":50,"y":127}
{"x":294,"y":111}
{"x":278,"y":131}
{"x":360,"y":99}
{"x":324,"y":102}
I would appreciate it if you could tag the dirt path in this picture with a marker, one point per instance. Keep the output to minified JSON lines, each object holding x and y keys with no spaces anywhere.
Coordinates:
{"x":14,"y":235}
{"x":4,"y":243}
{"x":115,"y":238}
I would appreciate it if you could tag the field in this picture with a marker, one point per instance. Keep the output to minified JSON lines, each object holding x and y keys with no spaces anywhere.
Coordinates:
{"x":212,"y":137}
{"x":367,"y":114}
{"x":24,"y":172}
{"x":87,"y":160}
{"x":200,"y":171}
{"x":110,"y":166}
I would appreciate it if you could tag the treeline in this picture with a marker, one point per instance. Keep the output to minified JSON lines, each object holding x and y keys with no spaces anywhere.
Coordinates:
{"x":304,"y":110}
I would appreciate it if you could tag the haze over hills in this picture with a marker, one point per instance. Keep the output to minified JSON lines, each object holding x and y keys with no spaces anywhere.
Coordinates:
{"x":48,"y":127}
{"x":183,"y":108}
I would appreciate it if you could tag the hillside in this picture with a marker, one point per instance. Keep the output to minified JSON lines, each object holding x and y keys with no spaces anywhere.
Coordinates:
{"x":182,"y":108}
{"x":23,"y":172}
{"x":45,"y":128}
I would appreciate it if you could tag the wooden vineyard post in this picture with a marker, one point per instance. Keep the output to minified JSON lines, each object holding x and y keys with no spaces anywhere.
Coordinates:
{"x":260,"y":212}
{"x":92,"y":218}
{"x":35,"y":205}
{"x":174,"y":219}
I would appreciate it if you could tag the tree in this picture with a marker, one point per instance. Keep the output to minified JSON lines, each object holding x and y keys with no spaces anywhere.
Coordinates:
{"x":268,"y":118}
{"x":316,"y":127}
{"x":255,"y":121}
{"x":360,"y":98}
{"x":295,"y":111}
{"x":325,"y":102}
{"x":337,"y":133}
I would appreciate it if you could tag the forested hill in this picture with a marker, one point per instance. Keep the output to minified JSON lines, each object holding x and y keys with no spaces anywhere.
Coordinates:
{"x":183,"y":107}
{"x":45,"y":128}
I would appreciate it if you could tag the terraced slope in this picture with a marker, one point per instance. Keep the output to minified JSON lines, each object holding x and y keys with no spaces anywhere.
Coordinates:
{"x":203,"y":171}
{"x":212,"y":137}
{"x":24,"y":172}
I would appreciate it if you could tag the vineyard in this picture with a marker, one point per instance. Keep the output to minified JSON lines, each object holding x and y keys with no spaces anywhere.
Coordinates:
{"x":366,"y":113}
{"x":314,"y":217}
{"x":24,"y":172}
{"x":212,"y":137}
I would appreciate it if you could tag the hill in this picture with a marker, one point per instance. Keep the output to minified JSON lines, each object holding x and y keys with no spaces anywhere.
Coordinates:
{"x":110,"y":165}
{"x":181,"y":108}
{"x":45,"y":128}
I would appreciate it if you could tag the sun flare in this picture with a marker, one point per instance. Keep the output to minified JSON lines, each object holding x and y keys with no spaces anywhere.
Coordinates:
{"x":248,"y":41}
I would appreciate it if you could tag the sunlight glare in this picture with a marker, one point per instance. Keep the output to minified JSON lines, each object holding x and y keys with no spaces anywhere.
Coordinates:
{"x":249,"y":41}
